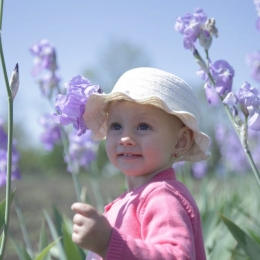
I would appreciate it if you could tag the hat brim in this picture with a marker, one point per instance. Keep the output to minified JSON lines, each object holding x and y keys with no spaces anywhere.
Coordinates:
{"x":95,"y":117}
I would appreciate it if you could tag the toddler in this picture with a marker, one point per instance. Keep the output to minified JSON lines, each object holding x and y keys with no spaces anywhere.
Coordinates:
{"x":150,"y":121}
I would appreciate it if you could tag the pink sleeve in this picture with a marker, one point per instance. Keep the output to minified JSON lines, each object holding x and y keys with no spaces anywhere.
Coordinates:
{"x":167,"y":222}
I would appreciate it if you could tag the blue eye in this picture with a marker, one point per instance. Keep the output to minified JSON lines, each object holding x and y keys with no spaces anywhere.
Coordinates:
{"x":143,"y":126}
{"x":116,"y":126}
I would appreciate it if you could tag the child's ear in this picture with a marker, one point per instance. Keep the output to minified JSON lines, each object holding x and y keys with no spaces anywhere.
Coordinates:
{"x":184,"y":141}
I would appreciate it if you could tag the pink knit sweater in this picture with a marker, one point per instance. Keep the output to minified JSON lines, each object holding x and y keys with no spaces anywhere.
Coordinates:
{"x":157,"y":221}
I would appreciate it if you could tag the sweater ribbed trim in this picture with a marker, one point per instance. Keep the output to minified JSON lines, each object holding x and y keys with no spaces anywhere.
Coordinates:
{"x":116,"y":249}
{"x":164,"y":175}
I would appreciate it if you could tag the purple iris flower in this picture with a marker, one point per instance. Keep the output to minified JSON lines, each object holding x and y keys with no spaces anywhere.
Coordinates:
{"x":253,"y":61}
{"x":199,"y":169}
{"x":249,"y":100}
{"x":45,"y":63}
{"x":44,"y":57}
{"x":178,"y":166}
{"x":257,"y":7}
{"x":211,"y":94}
{"x":3,"y":158}
{"x":82,"y":150}
{"x":232,"y":156}
{"x":222,"y":74}
{"x":258,"y":23}
{"x":71,"y":107}
{"x":189,"y":25}
{"x":3,"y":136}
{"x":48,"y":82}
{"x":51,"y":134}
{"x":196,"y":26}
{"x":3,"y":167}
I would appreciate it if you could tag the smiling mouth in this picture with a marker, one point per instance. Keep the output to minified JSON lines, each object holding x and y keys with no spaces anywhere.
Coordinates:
{"x":128,"y":155}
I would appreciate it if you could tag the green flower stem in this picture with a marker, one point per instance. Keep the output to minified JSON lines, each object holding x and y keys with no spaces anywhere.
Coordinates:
{"x":247,"y":152}
{"x":22,"y":224}
{"x":9,"y":142}
{"x":8,"y":177}
{"x":207,"y":56}
{"x":95,"y":186}
{"x":74,"y":172}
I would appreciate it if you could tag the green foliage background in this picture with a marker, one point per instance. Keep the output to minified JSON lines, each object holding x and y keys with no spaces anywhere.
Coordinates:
{"x":46,"y":184}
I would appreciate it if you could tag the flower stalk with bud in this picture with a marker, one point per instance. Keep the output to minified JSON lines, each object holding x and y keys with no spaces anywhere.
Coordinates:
{"x":79,"y":149}
{"x":11,"y":88}
{"x":218,"y":77}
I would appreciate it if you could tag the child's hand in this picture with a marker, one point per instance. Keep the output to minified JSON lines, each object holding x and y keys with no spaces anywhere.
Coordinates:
{"x":91,"y":230}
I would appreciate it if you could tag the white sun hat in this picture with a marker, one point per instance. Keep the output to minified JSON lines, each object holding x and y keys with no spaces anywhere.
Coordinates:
{"x":153,"y":87}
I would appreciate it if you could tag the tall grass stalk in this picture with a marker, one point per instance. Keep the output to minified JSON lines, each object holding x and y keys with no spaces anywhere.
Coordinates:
{"x":22,"y":225}
{"x":9,"y":142}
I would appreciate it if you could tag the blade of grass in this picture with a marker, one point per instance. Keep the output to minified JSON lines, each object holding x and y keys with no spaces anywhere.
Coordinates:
{"x":250,"y":246}
{"x":22,"y":224}
{"x":21,"y":252}
{"x":43,"y":240}
{"x":72,"y":251}
{"x":55,"y":235}
{"x":57,"y":219}
{"x":45,"y":251}
{"x":2,"y":209}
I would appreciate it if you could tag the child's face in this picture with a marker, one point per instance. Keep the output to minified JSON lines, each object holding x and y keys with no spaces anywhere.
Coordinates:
{"x":140,"y":139}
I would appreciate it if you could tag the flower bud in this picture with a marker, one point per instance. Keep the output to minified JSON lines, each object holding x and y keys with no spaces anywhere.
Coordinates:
{"x":244,"y":110}
{"x":243,"y":131}
{"x":14,"y":81}
{"x":207,"y":31}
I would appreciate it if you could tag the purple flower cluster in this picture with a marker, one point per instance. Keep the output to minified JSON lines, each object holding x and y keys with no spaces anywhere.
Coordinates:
{"x":45,"y":62}
{"x":71,"y":107}
{"x":199,"y":169}
{"x":218,"y":76}
{"x":253,"y":61}
{"x":232,"y":158}
{"x":196,"y":26}
{"x":249,"y":100}
{"x":44,"y":57}
{"x":257,"y":6}
{"x":3,"y":158}
{"x":222,"y":74}
{"x":51,"y":134}
{"x":82,"y":150}
{"x":231,"y":149}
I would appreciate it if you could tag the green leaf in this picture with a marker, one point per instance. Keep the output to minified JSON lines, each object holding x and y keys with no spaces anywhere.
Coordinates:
{"x":255,"y":237}
{"x":209,"y":222}
{"x":71,"y":249}
{"x":43,"y":240}
{"x":2,"y":210}
{"x":21,"y":252}
{"x":44,"y":252}
{"x":251,"y":248}
{"x":55,"y":235}
{"x":57,"y":219}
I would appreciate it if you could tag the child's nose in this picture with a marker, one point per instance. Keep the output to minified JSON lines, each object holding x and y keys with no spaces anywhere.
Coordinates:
{"x":127,"y":140}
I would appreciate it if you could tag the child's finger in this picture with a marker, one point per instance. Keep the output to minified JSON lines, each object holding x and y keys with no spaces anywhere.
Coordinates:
{"x":84,"y":209}
{"x":78,"y":219}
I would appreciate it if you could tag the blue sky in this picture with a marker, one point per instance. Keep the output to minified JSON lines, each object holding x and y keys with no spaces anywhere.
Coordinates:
{"x":79,"y":29}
